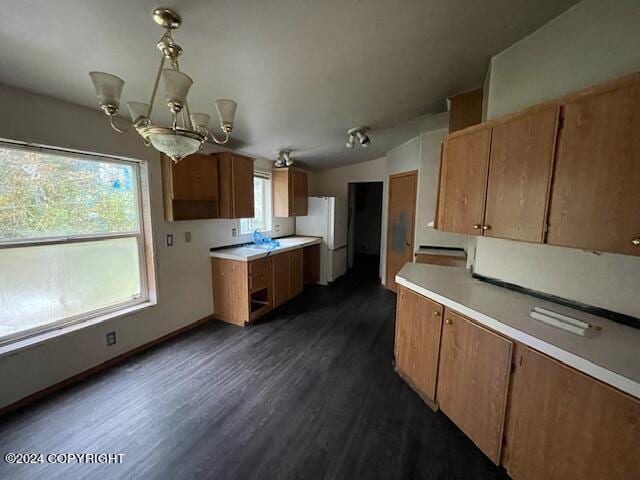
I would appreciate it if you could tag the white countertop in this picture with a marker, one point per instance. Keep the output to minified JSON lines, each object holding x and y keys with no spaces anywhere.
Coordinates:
{"x":611,"y":355}
{"x":252,"y":252}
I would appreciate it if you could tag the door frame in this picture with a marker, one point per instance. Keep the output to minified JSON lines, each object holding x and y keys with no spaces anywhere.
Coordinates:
{"x":413,"y":173}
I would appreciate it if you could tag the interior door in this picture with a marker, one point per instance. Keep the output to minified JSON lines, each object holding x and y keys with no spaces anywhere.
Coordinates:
{"x":417,"y":344}
{"x":400,"y":224}
{"x":473,"y":380}
{"x":463,"y":181}
{"x":596,"y":186}
{"x":522,"y":153}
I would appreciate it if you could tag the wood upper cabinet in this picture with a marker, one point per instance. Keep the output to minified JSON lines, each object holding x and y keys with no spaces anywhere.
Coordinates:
{"x":190,"y":187}
{"x":236,"y":185}
{"x":596,"y":188}
{"x":564,"y":425}
{"x":465,"y":110}
{"x":290,"y":192}
{"x":463,"y":181}
{"x":473,"y":381}
{"x":417,"y":342}
{"x":520,"y":168}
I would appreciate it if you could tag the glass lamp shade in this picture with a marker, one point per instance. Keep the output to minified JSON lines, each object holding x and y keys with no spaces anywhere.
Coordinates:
{"x":226,"y":111}
{"x":175,"y":146}
{"x":176,"y":86}
{"x":137,"y":110}
{"x":200,"y":120}
{"x":108,"y":88}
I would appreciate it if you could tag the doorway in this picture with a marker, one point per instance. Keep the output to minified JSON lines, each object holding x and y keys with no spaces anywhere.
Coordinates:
{"x":401,"y":223}
{"x":365,"y":218}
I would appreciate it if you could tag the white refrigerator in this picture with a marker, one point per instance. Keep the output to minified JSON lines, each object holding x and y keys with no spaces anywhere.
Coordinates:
{"x":327,"y":218}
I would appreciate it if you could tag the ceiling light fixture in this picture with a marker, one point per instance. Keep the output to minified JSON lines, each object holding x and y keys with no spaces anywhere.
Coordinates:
{"x":283,"y":158}
{"x":188,"y":131}
{"x":358,"y":132}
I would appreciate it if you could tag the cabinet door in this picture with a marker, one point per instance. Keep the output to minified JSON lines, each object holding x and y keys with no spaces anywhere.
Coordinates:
{"x":417,"y":345}
{"x":596,"y":186}
{"x":299,"y":192}
{"x":564,"y":425}
{"x":463,"y":181}
{"x":473,"y":379}
{"x":280,"y":187}
{"x":296,"y":276}
{"x":281,"y":279}
{"x":205,"y":176}
{"x":522,"y":153}
{"x":243,"y":187}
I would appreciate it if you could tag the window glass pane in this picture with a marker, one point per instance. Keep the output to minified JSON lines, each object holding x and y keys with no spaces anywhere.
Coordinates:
{"x":261,"y":198}
{"x":47,"y":194}
{"x":47,"y":283}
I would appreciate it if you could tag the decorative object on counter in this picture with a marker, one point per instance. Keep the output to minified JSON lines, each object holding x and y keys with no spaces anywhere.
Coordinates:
{"x":189,"y":131}
{"x":283,"y":158}
{"x":264,"y":241}
{"x":359,"y":133}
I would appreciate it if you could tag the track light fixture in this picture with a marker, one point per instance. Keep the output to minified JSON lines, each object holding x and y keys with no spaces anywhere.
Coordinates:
{"x":359,"y":133}
{"x":283,"y":158}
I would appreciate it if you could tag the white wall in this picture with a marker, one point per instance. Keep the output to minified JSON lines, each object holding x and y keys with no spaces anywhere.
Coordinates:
{"x":183,"y":271}
{"x":593,"y":42}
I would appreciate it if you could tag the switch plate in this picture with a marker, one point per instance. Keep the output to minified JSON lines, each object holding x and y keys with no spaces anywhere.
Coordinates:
{"x":111,"y":338}
{"x":234,"y":232}
{"x":277,"y":228}
{"x":169,"y":239}
{"x":187,"y":237}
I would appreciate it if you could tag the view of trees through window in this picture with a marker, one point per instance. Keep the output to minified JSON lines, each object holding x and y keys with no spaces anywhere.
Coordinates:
{"x":49,"y":195}
{"x":262,"y":199}
{"x":71,"y":235}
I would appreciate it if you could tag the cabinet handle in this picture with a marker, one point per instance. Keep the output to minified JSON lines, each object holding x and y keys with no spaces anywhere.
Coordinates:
{"x":448,"y":321}
{"x":486,"y":227}
{"x":436,"y":314}
{"x":636,"y":241}
{"x":477,"y":226}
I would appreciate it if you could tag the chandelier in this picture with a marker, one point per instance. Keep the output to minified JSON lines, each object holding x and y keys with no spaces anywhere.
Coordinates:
{"x":188,"y":131}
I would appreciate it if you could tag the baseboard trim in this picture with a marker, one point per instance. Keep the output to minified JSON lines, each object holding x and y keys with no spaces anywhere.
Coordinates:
{"x":29,"y":399}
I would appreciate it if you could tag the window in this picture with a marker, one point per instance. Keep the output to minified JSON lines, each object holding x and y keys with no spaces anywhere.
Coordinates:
{"x":71,"y":238}
{"x":262,"y":205}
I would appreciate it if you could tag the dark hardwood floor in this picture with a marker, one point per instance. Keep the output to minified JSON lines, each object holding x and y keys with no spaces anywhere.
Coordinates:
{"x":307,"y":393}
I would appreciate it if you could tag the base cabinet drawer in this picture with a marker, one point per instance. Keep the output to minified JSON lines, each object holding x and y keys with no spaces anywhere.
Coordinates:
{"x":564,"y":425}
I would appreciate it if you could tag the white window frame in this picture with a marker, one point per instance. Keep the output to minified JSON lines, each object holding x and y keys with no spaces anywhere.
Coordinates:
{"x":268,"y":207}
{"x":143,"y":234}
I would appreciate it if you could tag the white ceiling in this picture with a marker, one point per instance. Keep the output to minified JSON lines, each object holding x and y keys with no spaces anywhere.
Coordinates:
{"x":302,"y":71}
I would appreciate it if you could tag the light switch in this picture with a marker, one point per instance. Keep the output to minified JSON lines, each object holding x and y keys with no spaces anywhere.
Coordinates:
{"x":234,"y":232}
{"x":169,"y":239}
{"x":187,"y":237}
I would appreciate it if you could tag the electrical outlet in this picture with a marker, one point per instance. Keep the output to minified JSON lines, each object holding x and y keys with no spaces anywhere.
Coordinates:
{"x":169,"y":240}
{"x":234,"y":232}
{"x":111,"y":338}
{"x":277,"y":228}
{"x":187,"y":237}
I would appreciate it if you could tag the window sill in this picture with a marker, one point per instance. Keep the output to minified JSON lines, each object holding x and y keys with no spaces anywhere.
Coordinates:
{"x":55,"y":334}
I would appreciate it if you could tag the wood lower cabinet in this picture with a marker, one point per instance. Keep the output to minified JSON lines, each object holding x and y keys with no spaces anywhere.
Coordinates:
{"x":564,"y":425}
{"x":520,"y":168}
{"x":417,"y":342}
{"x":288,"y":274}
{"x":596,"y":186}
{"x":236,"y":185}
{"x":473,"y":381}
{"x":463,"y":181}
{"x":290,"y":192}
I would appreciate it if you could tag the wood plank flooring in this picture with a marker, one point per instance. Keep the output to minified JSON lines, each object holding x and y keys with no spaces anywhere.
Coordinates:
{"x":307,"y":393}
